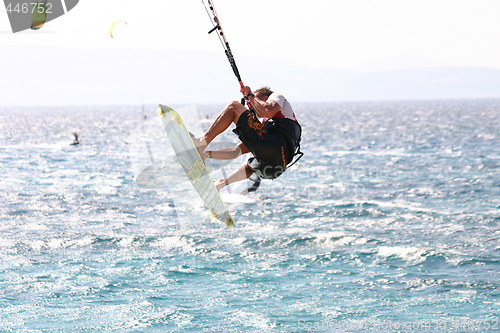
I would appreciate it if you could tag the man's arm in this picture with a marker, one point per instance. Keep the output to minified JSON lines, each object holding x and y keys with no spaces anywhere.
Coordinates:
{"x":229,"y":153}
{"x":264,"y":108}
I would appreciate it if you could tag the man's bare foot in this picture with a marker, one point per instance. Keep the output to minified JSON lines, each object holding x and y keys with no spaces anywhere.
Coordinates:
{"x":200,"y":144}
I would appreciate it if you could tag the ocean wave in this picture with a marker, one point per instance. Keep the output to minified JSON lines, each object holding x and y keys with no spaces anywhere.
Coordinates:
{"x":411,"y":255}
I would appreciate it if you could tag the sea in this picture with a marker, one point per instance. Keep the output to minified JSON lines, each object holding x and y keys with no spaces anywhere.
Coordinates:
{"x":389,"y":223}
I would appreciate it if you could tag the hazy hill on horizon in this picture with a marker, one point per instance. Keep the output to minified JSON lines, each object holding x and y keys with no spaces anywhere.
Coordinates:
{"x":62,"y":76}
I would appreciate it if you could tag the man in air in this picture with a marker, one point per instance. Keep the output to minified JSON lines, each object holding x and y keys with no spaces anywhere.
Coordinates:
{"x":274,"y":141}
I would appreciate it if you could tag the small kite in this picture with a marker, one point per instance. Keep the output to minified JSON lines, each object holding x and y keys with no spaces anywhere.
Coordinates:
{"x":112,"y":27}
{"x":39,"y":15}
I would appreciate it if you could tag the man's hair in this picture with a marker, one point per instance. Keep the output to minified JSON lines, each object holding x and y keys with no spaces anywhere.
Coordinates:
{"x":262,"y":92}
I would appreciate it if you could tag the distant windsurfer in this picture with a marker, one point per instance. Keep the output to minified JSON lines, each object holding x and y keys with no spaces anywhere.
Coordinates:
{"x":274,"y":141}
{"x":75,"y":141}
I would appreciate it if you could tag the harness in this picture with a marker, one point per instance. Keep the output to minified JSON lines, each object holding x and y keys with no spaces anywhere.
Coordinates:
{"x":291,"y":131}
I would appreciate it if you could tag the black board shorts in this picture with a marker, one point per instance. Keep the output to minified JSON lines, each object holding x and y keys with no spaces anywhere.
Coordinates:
{"x":270,"y":148}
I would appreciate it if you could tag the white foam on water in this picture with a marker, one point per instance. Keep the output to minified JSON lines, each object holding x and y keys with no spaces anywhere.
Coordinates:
{"x":234,"y":198}
{"x":407,"y":253}
{"x":252,"y":319}
{"x":174,"y":242}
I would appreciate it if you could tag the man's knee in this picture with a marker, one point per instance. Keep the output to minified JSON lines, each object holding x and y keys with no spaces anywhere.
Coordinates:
{"x":237,"y":107}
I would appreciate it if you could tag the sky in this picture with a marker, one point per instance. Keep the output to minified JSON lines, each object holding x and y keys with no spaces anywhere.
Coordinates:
{"x":354,"y":35}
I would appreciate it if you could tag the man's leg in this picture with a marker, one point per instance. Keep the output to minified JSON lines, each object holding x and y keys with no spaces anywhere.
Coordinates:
{"x":243,"y":172}
{"x":230,"y":114}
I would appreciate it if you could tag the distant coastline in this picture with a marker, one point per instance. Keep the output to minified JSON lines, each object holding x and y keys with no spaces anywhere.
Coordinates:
{"x":116,"y":77}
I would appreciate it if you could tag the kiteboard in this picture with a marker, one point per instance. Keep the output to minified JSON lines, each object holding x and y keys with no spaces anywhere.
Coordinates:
{"x":193,"y":165}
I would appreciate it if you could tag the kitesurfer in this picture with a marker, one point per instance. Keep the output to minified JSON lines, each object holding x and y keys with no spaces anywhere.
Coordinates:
{"x":274,"y":141}
{"x":76,"y":140}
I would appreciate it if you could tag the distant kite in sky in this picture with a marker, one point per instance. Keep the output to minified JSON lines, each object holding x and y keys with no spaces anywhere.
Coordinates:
{"x":39,"y":15}
{"x":34,"y":14}
{"x":112,"y":27}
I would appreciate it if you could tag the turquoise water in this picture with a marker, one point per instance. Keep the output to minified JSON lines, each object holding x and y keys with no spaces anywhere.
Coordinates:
{"x":389,"y":223}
